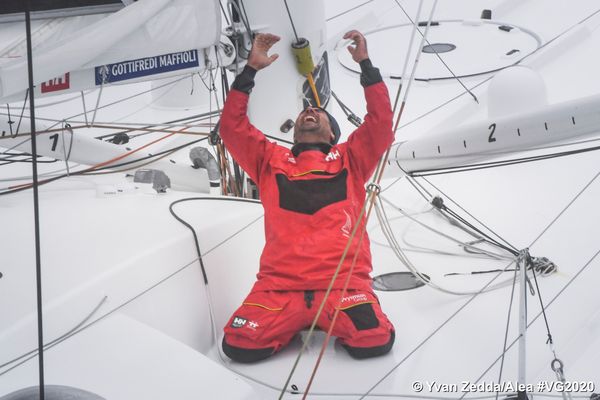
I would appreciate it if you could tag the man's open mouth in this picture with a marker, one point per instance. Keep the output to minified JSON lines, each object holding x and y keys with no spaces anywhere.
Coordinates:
{"x":310,"y":118}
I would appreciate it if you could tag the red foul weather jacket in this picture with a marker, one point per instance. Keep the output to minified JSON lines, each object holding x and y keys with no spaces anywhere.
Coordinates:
{"x":312,"y":196}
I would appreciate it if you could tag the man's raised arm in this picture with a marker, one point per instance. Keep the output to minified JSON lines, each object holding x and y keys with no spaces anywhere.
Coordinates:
{"x":244,"y":141}
{"x":369,"y":141}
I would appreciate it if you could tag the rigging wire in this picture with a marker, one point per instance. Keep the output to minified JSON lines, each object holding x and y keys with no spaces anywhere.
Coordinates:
{"x":565,"y":208}
{"x":512,"y":296}
{"x":405,"y":66}
{"x":475,"y":295}
{"x":36,"y":208}
{"x":82,"y":326}
{"x":433,"y":333}
{"x":243,"y":7}
{"x":549,"y":340}
{"x":123,"y":129}
{"x":224,"y":12}
{"x":469,"y":214}
{"x":22,"y":111}
{"x":502,"y":163}
{"x":104,"y":74}
{"x":405,"y":261}
{"x":352,"y":117}
{"x":84,"y":108}
{"x":415,"y":183}
{"x":109,"y":313}
{"x":536,"y":239}
{"x":152,"y":158}
{"x":173,"y":82}
{"x":244,"y":19}
{"x":456,"y":219}
{"x":581,"y":270}
{"x":327,"y":292}
{"x":60,"y":121}
{"x":10,"y":121}
{"x":52,"y":342}
{"x":291,"y":20}
{"x":558,"y":36}
{"x":373,"y":192}
{"x":438,"y":55}
{"x":110,"y":166}
{"x":436,"y":330}
{"x":510,"y":248}
{"x":28,"y":159}
{"x":349,"y":10}
{"x":169,"y":124}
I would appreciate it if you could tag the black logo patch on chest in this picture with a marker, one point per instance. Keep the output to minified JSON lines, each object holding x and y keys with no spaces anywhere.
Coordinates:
{"x":307,"y":196}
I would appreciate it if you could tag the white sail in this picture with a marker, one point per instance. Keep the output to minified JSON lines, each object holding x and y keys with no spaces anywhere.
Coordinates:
{"x":147,"y":38}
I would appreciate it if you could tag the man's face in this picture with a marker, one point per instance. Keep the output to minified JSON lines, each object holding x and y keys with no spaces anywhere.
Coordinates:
{"x":312,"y":126}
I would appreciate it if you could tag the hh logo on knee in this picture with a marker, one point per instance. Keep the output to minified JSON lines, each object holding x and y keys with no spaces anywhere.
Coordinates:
{"x":238,"y":322}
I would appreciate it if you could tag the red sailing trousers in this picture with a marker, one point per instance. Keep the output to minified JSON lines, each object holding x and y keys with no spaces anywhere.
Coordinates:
{"x":268,"y":320}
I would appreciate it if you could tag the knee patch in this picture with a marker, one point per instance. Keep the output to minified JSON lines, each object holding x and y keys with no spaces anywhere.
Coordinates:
{"x":362,"y":316}
{"x":368,"y":352}
{"x":243,"y":355}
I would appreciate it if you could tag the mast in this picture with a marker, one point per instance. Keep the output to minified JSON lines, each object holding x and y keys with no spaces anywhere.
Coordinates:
{"x":279,"y":91}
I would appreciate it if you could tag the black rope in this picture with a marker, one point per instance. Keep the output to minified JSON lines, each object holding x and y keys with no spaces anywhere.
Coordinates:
{"x":36,"y":207}
{"x":10,"y":121}
{"x":224,"y":13}
{"x":22,"y":111}
{"x":458,"y":219}
{"x":245,"y":16}
{"x":352,"y":117}
{"x":204,"y":276}
{"x":129,"y":301}
{"x":469,"y":214}
{"x":537,"y":288}
{"x":488,"y":238}
{"x":291,"y":20}
{"x":191,"y":228}
{"x":235,"y":7}
{"x":487,"y":271}
{"x":6,"y":161}
{"x":452,"y":214}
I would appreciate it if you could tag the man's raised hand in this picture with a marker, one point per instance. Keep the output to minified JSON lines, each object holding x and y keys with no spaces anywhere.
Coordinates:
{"x":258,"y":58}
{"x":359,"y":48}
